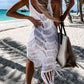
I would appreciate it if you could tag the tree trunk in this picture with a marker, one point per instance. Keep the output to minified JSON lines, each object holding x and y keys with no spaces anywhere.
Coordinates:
{"x":69,"y":16}
{"x":61,"y":7}
{"x":81,"y":16}
{"x":78,"y":7}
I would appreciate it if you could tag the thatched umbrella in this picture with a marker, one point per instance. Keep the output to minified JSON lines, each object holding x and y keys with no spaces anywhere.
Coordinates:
{"x":82,"y":2}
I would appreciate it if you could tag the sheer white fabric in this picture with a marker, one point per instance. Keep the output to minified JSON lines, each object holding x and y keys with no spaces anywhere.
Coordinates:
{"x":42,"y":45}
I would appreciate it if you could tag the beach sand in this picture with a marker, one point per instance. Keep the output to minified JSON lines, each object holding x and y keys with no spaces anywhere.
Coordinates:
{"x":13,"y":42}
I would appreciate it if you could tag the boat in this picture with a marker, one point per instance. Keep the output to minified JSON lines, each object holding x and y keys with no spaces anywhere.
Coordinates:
{"x":24,"y":10}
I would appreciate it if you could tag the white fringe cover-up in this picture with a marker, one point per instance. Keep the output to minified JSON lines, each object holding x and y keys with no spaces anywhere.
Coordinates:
{"x":42,"y":47}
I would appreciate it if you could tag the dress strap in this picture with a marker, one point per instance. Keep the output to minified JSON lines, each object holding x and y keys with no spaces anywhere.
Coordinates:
{"x":49,"y":7}
{"x":29,"y":4}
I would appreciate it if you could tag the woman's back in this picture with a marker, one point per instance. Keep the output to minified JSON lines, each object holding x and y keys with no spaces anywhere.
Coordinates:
{"x":55,"y":8}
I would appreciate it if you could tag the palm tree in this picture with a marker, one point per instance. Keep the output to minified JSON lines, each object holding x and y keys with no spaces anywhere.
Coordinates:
{"x":79,"y":8}
{"x":81,"y":16}
{"x":61,"y":7}
{"x":69,"y":16}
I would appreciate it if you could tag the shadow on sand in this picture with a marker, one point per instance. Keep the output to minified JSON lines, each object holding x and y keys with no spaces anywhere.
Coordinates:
{"x":13,"y":49}
{"x":76,"y":24}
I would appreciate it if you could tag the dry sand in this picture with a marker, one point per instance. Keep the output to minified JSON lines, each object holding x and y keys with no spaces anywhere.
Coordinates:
{"x":13,"y":41}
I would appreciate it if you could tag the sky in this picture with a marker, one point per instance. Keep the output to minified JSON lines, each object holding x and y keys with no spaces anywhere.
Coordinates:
{"x":5,"y":4}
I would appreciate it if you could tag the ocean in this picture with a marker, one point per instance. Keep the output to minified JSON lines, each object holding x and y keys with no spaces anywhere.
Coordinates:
{"x":3,"y":16}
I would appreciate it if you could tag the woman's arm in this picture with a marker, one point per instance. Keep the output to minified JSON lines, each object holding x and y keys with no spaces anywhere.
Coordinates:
{"x":56,"y":11}
{"x":20,"y":3}
{"x":12,"y":10}
{"x":70,"y":5}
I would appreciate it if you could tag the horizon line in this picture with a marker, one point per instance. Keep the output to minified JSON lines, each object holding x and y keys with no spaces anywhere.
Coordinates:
{"x":18,"y":9}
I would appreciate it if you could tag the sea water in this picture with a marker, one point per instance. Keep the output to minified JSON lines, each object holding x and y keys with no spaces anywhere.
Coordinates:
{"x":3,"y":16}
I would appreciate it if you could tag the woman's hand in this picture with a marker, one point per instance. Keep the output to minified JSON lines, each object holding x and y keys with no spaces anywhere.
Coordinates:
{"x":62,"y":17}
{"x":70,"y":5}
{"x":36,"y":23}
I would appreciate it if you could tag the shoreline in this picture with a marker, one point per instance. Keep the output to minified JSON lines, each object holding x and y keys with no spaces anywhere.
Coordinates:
{"x":12,"y":20}
{"x":14,"y":24}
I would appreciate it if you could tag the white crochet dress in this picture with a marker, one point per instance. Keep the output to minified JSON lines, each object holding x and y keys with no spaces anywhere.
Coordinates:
{"x":42,"y":45}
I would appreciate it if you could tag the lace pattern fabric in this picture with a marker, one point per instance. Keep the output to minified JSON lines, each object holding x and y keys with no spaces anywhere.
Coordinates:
{"x":42,"y":47}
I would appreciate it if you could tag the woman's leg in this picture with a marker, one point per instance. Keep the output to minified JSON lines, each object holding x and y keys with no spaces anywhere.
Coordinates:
{"x":29,"y":71}
{"x":43,"y":82}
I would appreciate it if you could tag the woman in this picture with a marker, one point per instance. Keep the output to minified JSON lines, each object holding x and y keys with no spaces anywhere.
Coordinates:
{"x":42,"y":46}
